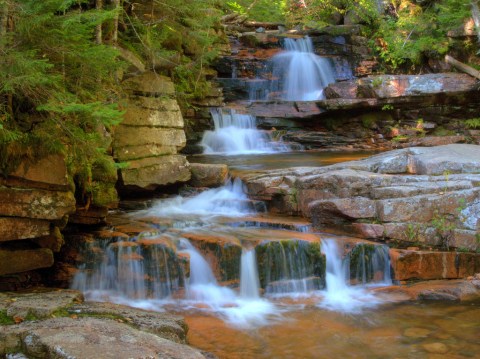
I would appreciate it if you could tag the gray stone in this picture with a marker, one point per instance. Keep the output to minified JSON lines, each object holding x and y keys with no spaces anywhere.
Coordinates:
{"x":35,"y":203}
{"x":42,"y":303}
{"x":126,"y":136}
{"x":139,"y":116}
{"x":149,"y":173}
{"x":149,"y":83}
{"x":86,"y":338}
{"x":444,"y":160}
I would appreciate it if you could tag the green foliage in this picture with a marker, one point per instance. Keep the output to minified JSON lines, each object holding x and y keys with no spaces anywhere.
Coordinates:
{"x":412,"y":32}
{"x":319,"y":13}
{"x":5,"y":319}
{"x":60,"y":88}
{"x":181,"y":43}
{"x":262,"y":10}
{"x":473,"y":122}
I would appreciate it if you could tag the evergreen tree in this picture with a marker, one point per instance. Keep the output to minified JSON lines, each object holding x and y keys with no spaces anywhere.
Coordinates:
{"x":58,"y":86}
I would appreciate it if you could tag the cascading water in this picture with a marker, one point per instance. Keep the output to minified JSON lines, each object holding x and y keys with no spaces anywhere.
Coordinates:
{"x":249,"y":282}
{"x":229,"y":199}
{"x":339,"y":295}
{"x":367,"y":263}
{"x":237,"y":134}
{"x":291,"y":268}
{"x":303,"y":74}
{"x":129,"y":271}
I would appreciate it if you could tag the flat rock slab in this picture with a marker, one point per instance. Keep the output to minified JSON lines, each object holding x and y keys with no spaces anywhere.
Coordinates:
{"x":165,"y":325}
{"x":40,"y":304}
{"x":454,"y":158}
{"x":86,"y":338}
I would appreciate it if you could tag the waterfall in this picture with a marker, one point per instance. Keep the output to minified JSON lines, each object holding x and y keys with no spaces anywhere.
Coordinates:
{"x":249,"y":283}
{"x":128,"y":271}
{"x":202,"y":285}
{"x":229,"y":200}
{"x":368,"y":263}
{"x":291,"y":268}
{"x":237,"y":134}
{"x":303,"y":74}
{"x":339,"y":294}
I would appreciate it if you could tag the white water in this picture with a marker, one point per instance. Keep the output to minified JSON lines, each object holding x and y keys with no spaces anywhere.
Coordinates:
{"x":245,"y":311}
{"x":236,"y":134}
{"x":339,"y":295}
{"x":229,"y":199}
{"x":304,"y":75}
{"x":249,"y":282}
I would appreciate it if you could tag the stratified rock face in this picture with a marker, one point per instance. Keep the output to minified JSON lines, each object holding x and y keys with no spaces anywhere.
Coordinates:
{"x":427,"y":265}
{"x":151,"y":134}
{"x":425,"y":195}
{"x":35,"y":200}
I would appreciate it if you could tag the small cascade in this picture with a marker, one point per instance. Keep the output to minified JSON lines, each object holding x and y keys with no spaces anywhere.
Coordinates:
{"x":293,"y":267}
{"x":128,"y":270}
{"x":202,"y":285}
{"x":236,"y":134}
{"x":249,"y":282}
{"x":368,"y":263}
{"x":303,"y":74}
{"x":339,"y":294}
{"x":229,"y":199}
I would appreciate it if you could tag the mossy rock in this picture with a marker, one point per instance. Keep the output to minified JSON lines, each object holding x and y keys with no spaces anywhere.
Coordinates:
{"x":285,"y":260}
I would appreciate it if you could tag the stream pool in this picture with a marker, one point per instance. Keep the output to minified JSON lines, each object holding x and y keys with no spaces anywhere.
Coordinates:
{"x":412,"y":330}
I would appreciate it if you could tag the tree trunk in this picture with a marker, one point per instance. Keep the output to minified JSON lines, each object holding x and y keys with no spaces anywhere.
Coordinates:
{"x":116,"y":3}
{"x":462,"y":67}
{"x":98,"y":29}
{"x":476,"y":17}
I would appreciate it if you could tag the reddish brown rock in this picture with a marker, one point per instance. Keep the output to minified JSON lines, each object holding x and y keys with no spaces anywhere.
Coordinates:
{"x":12,"y":228}
{"x":24,"y":260}
{"x":208,"y":175}
{"x":408,"y":265}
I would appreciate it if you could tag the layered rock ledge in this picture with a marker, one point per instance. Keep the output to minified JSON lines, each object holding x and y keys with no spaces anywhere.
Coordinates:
{"x":57,"y":324}
{"x":427,"y":196}
{"x":151,"y":135}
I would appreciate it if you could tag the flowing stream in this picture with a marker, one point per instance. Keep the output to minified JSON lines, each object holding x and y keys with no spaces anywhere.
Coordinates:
{"x":303,"y":74}
{"x":237,"y":134}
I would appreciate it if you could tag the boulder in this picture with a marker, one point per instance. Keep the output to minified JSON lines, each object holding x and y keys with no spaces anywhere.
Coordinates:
{"x":126,"y":136}
{"x":149,"y":173}
{"x":35,"y":203}
{"x":93,"y":338}
{"x":49,"y":172}
{"x":12,"y":228}
{"x":140,"y":116}
{"x":208,"y":175}
{"x":429,"y":195}
{"x":17,"y":261}
{"x":427,"y":265}
{"x":149,"y":83}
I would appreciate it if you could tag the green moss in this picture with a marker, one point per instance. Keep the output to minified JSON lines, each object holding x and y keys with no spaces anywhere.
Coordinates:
{"x":442,"y":131}
{"x":5,"y":319}
{"x":103,"y":194}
